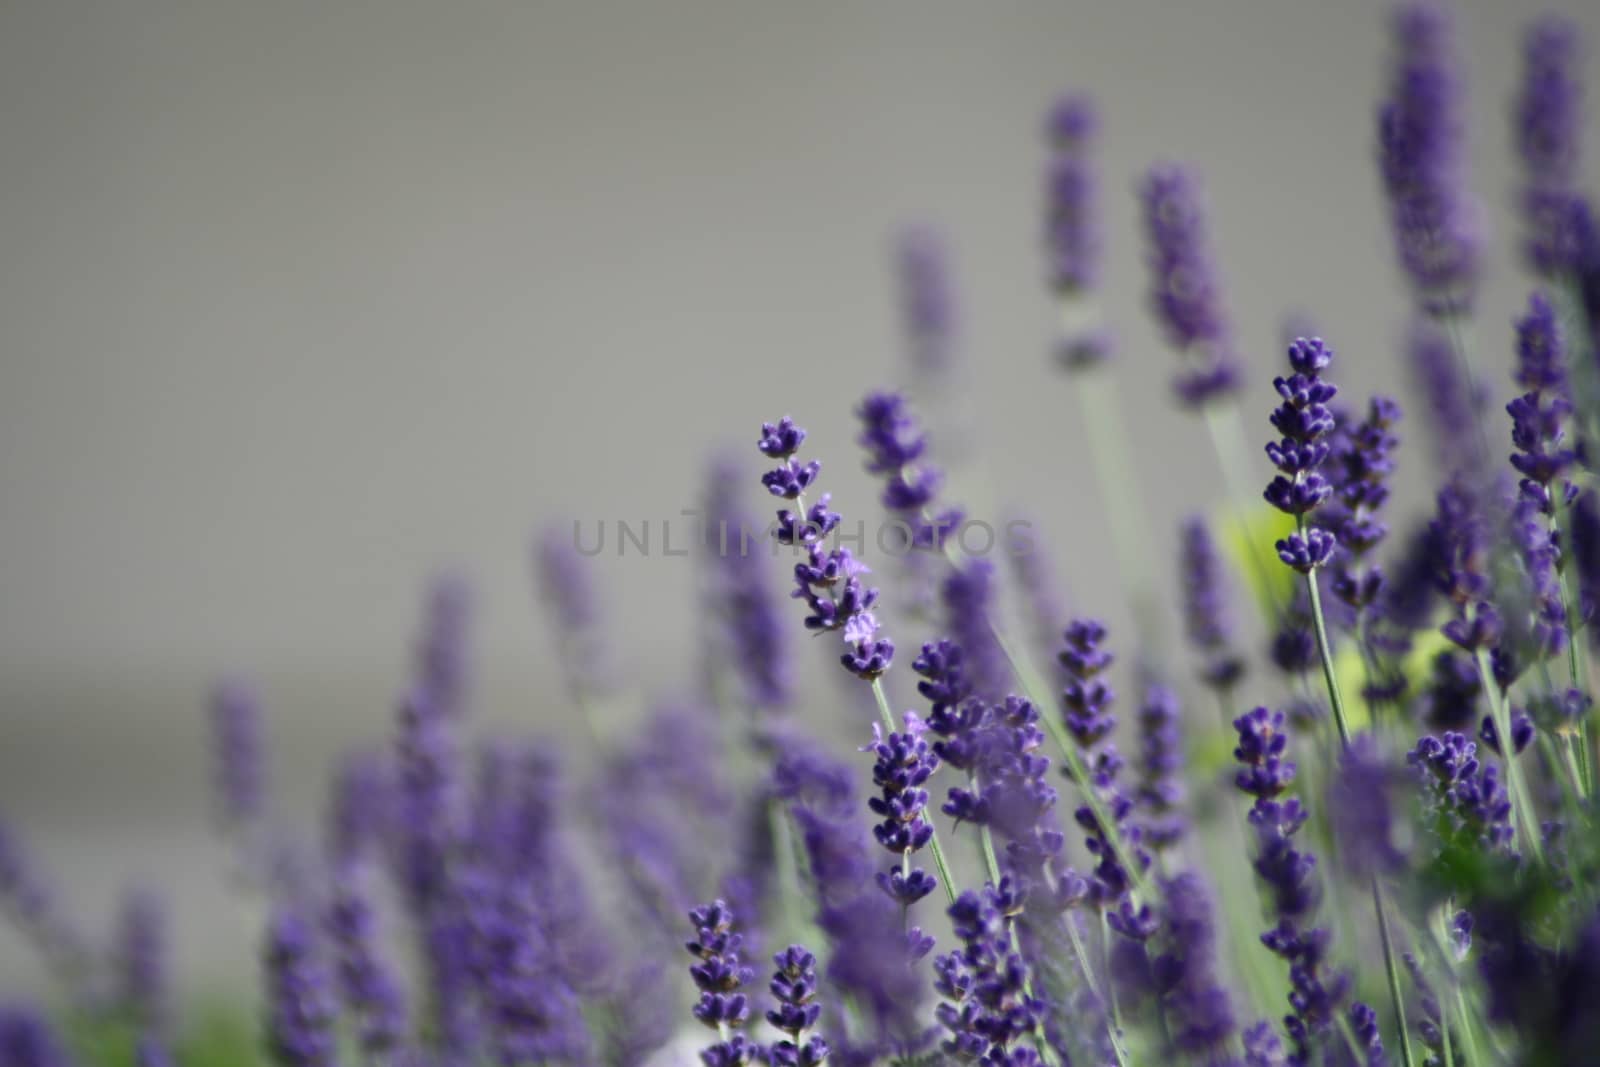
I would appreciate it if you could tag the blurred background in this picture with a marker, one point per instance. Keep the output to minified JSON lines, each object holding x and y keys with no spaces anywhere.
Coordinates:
{"x":303,"y":301}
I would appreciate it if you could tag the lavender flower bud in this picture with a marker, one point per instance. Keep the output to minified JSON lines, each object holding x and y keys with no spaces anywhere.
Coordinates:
{"x":141,"y":958}
{"x":1162,"y":793}
{"x":28,"y":1040}
{"x":1547,"y":121}
{"x":240,"y":759}
{"x":442,"y":667}
{"x":1422,"y":161}
{"x":1304,"y":420}
{"x":1185,"y":291}
{"x":753,"y":638}
{"x":927,"y":301}
{"x":1463,"y":797}
{"x":572,"y":609}
{"x":300,"y":1004}
{"x":367,"y":984}
{"x":1361,"y":810}
{"x":718,"y":974}
{"x":1205,"y":607}
{"x":362,"y":800}
{"x":987,"y":1008}
{"x":794,"y":987}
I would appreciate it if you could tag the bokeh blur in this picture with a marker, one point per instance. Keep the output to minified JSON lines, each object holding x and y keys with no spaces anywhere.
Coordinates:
{"x":304,"y":301}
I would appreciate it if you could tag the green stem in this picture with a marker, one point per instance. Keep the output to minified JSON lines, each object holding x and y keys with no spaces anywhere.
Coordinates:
{"x":1109,"y":451}
{"x":1502,"y":726}
{"x":937,"y":849}
{"x":1325,"y":650}
{"x":1391,"y":967}
{"x":1112,"y":1031}
{"x":1228,"y":441}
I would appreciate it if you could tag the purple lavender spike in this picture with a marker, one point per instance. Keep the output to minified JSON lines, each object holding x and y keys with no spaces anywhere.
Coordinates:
{"x":927,"y":300}
{"x":28,"y":1040}
{"x":1421,"y":128}
{"x":442,"y":665}
{"x":1547,"y":121}
{"x":301,"y":1011}
{"x":368,"y":985}
{"x":753,"y":638}
{"x":240,"y":760}
{"x":1185,"y":288}
{"x":141,"y":958}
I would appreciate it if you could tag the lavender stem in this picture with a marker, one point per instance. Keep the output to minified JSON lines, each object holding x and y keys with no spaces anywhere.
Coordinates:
{"x":1393,"y":972}
{"x":1326,"y":653}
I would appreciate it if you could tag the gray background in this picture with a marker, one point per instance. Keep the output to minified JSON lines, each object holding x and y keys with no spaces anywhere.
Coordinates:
{"x":302,"y":300}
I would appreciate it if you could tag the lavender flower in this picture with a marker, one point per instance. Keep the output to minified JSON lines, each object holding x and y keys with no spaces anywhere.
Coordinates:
{"x":986,"y":1005}
{"x":1185,"y":291}
{"x":1547,"y":121}
{"x":794,"y":987}
{"x":871,"y":963}
{"x":1364,"y":1024}
{"x":1017,"y":801}
{"x":361,"y":807}
{"x":1073,"y":237}
{"x":368,"y":986}
{"x":442,"y":665}
{"x":27,"y":1039}
{"x":968,"y":598}
{"x":240,"y":760}
{"x":902,"y":765}
{"x":141,"y":958}
{"x":1362,"y":461}
{"x":828,"y":581}
{"x":1161,"y":793}
{"x":927,"y":300}
{"x":1461,"y":569}
{"x":718,"y":974}
{"x":1088,"y":718}
{"x":1450,"y":701}
{"x":1521,"y":733}
{"x":1198,"y":1005}
{"x":1303,"y":420}
{"x":895,"y":448}
{"x":752,"y":638}
{"x":300,"y":1004}
{"x":1538,"y":417}
{"x":30,"y":901}
{"x":1455,"y":405}
{"x":1422,"y":162}
{"x":1288,"y":875}
{"x":572,"y":607}
{"x":1361,"y":810}
{"x":150,"y":1052}
{"x":428,"y":800}
{"x":1205,"y":607}
{"x":1463,"y":797}
{"x":532,"y":1013}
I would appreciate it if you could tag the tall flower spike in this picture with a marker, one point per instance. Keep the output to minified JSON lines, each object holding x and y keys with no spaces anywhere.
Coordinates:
{"x":752,"y":635}
{"x":1302,"y":420}
{"x":896,"y":447}
{"x":968,"y":598}
{"x":1073,"y":237}
{"x":1543,"y":454}
{"x":141,"y":958}
{"x":1185,"y":289}
{"x":794,"y":987}
{"x":986,"y":1007}
{"x":1547,"y":121}
{"x":1361,"y":462}
{"x":1454,"y":405}
{"x":240,"y":760}
{"x":1463,"y":797}
{"x":828,"y":581}
{"x":28,"y":898}
{"x":718,"y":974}
{"x":1422,"y":159}
{"x":442,"y":664}
{"x":1289,"y":876}
{"x":902,"y":765}
{"x":368,"y":986}
{"x":1088,"y":718}
{"x":566,"y":587}
{"x":1205,"y":607}
{"x":361,"y":807}
{"x":300,"y":1004}
{"x":927,"y":300}
{"x":28,"y":1040}
{"x":1162,"y":793}
{"x":1200,"y":1010}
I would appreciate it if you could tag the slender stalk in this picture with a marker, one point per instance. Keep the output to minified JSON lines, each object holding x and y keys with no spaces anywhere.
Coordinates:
{"x":1101,"y":407}
{"x":1502,"y":726}
{"x":1325,"y":651}
{"x":1390,"y":966}
{"x":937,"y":849}
{"x":1082,"y":956}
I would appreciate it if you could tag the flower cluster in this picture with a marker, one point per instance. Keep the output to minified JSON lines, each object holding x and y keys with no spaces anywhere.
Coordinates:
{"x":1548,"y":123}
{"x":987,"y":1008}
{"x":1205,"y":607}
{"x":1303,"y":420}
{"x":903,"y":763}
{"x":1422,"y":161}
{"x":1185,"y":289}
{"x":827,"y":580}
{"x":1464,"y":796}
{"x":794,"y":987}
{"x":718,"y":974}
{"x":1088,"y":718}
{"x":1072,"y":228}
{"x":1289,"y":877}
